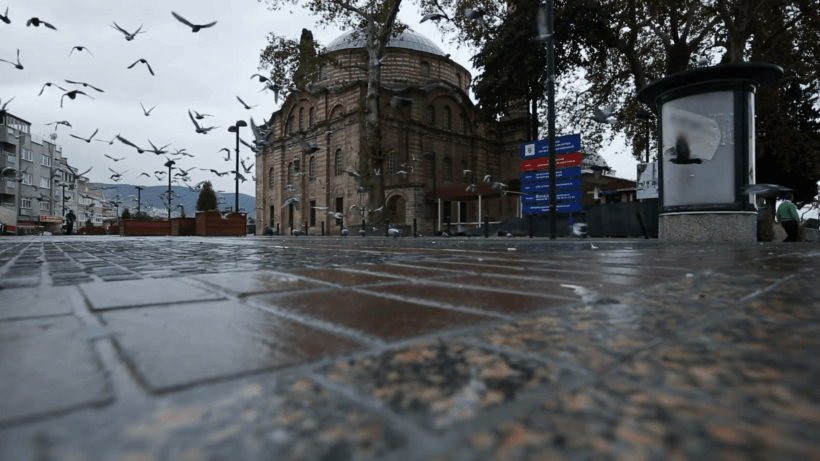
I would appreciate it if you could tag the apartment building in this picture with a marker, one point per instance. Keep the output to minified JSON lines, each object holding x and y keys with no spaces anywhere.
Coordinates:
{"x":49,"y":186}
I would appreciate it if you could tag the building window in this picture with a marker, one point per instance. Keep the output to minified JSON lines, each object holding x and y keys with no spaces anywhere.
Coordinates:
{"x":290,"y":173}
{"x":27,"y":178}
{"x":10,"y":157}
{"x":45,"y":183}
{"x":425,"y":69}
{"x":431,"y":116}
{"x":448,"y":170}
{"x":9,"y":184}
{"x":271,"y":179}
{"x":391,"y":164}
{"x":462,"y":123}
{"x":45,"y":206}
{"x":290,"y":125}
{"x":339,"y":170}
{"x":26,"y":154}
{"x":45,"y":160}
{"x":464,"y":168}
{"x":447,"y":114}
{"x":312,"y":117}
{"x":25,"y":202}
{"x":301,"y":119}
{"x":431,"y":169}
{"x":458,"y":79}
{"x":312,"y":168}
{"x":323,"y":72}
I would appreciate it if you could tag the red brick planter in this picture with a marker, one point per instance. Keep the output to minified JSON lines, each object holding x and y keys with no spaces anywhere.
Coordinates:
{"x":92,"y":231}
{"x":210,"y":223}
{"x":183,"y":226}
{"x":133,"y":227}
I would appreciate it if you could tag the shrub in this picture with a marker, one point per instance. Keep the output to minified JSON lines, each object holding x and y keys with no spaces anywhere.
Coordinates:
{"x":207,"y":198}
{"x":126,"y":214}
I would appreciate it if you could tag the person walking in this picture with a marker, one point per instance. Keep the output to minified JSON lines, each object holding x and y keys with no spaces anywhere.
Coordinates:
{"x":788,"y":218}
{"x":70,"y":217}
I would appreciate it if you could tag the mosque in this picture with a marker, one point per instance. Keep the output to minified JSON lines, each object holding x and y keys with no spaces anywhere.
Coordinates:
{"x":436,"y":148}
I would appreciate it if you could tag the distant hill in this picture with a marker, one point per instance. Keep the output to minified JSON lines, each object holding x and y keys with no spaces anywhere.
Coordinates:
{"x":152,"y":204}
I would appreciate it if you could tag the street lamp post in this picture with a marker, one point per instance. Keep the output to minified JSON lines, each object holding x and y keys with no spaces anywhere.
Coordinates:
{"x":139,"y":197}
{"x":235,"y":129}
{"x":169,"y":164}
{"x":646,"y":115}
{"x":551,"y":115}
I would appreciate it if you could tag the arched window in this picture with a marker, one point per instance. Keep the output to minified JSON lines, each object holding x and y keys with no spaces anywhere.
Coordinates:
{"x":431,"y":116}
{"x":312,"y":168}
{"x":448,"y":170}
{"x":464,"y":167}
{"x":323,"y":72}
{"x":425,"y":69}
{"x":290,"y":125}
{"x":431,"y":169}
{"x":271,"y":178}
{"x":338,"y":162}
{"x":462,"y":123}
{"x":290,"y":173}
{"x":447,"y":117}
{"x":458,"y":79}
{"x":391,"y":164}
{"x":311,"y":116}
{"x":301,"y":119}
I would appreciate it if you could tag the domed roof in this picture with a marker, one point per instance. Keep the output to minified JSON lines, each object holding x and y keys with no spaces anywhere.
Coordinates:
{"x":407,"y":39}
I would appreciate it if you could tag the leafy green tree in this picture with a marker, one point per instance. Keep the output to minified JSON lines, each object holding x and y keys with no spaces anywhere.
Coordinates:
{"x":126,"y":214}
{"x":375,"y":21}
{"x":207,"y":198}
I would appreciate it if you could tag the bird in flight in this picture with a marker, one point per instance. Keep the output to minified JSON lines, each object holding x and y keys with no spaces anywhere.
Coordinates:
{"x":201,"y":116}
{"x":110,"y":143}
{"x":37,"y":21}
{"x":143,"y":61}
{"x":87,"y":85}
{"x":218,"y":173}
{"x":147,"y":112}
{"x":84,"y":139}
{"x":226,"y":150}
{"x":434,"y":17}
{"x":764,"y":190}
{"x":18,"y":65}
{"x":194,"y":27}
{"x":683,"y":156}
{"x":398,"y":101}
{"x":476,"y":15}
{"x":128,"y":36}
{"x":117,"y":176}
{"x":6,"y":17}
{"x":243,"y":103}
{"x":157,"y":150}
{"x":200,"y":129}
{"x":56,"y":124}
{"x":129,"y":143}
{"x":72,"y":95}
{"x":80,"y":48}
{"x":262,"y":78}
{"x":604,"y":115}
{"x":50,"y":84}
{"x":307,"y":148}
{"x":117,"y":160}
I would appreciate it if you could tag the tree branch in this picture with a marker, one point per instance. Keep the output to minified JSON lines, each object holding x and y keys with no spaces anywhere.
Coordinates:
{"x":346,"y":5}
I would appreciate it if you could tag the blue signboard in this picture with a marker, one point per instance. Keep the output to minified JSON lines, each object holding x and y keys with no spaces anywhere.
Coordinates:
{"x":566,"y":207}
{"x":534,"y":176}
{"x":559,"y":196}
{"x":545,"y":186}
{"x":563,"y":145}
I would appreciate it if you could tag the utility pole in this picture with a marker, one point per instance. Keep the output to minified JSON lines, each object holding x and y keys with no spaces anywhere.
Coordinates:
{"x":169,"y":164}
{"x":235,"y":129}
{"x":139,"y":198}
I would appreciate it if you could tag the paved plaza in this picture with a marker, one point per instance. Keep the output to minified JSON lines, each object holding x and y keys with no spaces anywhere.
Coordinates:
{"x":330,"y":348}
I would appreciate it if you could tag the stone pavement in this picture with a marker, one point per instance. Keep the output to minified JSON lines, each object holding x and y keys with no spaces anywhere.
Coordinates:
{"x":287,"y":348}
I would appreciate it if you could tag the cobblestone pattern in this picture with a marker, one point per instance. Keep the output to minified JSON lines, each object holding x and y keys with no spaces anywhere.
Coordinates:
{"x":286,"y":348}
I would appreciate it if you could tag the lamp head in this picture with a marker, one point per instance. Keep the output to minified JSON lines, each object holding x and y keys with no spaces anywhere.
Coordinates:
{"x":241,"y":123}
{"x":232,"y":129}
{"x":644,"y":114}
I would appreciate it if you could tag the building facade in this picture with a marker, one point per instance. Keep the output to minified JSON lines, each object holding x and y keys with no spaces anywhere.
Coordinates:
{"x":434,"y":149}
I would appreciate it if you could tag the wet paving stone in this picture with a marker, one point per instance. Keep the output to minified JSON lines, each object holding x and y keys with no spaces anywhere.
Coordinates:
{"x":439,"y":384}
{"x":387,"y":319}
{"x":180,"y":345}
{"x":258,"y":282}
{"x":344,"y":278}
{"x":35,"y":302}
{"x":45,"y":368}
{"x":140,"y":293}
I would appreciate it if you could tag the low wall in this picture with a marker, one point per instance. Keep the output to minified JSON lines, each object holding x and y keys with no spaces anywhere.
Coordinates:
{"x":145,"y":228}
{"x":183,"y":226}
{"x":211,"y":223}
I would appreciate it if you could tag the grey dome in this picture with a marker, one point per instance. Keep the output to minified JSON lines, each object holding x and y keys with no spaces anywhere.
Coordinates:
{"x":407,"y":39}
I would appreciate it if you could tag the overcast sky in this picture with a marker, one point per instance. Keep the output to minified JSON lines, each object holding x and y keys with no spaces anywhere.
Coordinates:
{"x":203,"y":71}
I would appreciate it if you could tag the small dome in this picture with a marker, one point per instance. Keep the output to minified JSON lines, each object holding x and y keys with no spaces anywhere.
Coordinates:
{"x":593,"y":160}
{"x":407,"y":39}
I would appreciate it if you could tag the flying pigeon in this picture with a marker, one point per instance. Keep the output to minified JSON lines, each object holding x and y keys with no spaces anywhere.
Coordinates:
{"x":18,"y":65}
{"x":80,"y":48}
{"x":50,"y":84}
{"x":579,"y":230}
{"x":6,"y":17}
{"x":764,"y":190}
{"x":604,"y":115}
{"x":85,"y":85}
{"x":247,"y":107}
{"x":128,"y":36}
{"x":37,"y":21}
{"x":194,"y":27}
{"x":434,"y":17}
{"x":476,"y":15}
{"x":143,"y":61}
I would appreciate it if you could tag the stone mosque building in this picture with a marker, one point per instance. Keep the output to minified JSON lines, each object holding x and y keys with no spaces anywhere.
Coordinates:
{"x":433,"y":141}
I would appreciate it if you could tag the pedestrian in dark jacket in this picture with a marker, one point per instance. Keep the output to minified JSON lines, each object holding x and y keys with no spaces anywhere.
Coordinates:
{"x":70,"y":217}
{"x":787,"y":215}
